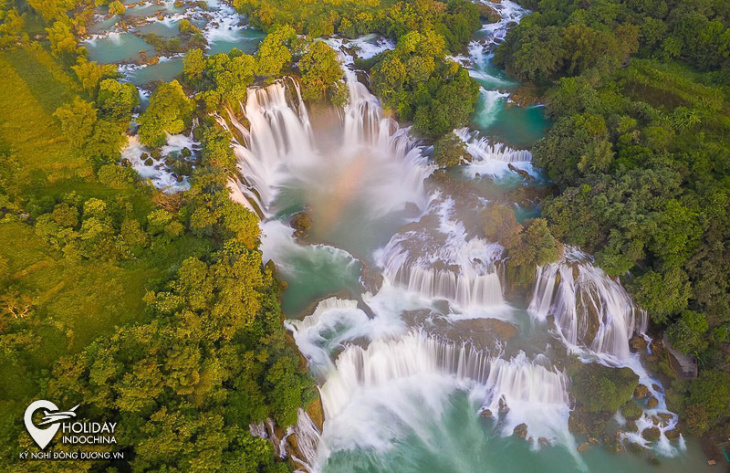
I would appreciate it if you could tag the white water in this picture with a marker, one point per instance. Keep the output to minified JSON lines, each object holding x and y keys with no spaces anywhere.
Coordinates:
{"x":377,"y":161}
{"x":492,"y":159}
{"x":384,"y":378}
{"x":590,"y":309}
{"x":158,"y":172}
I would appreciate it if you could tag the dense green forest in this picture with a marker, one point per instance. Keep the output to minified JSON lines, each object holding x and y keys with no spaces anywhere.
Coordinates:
{"x":153,"y":310}
{"x":416,"y":81}
{"x":156,"y":310}
{"x":640,"y":154}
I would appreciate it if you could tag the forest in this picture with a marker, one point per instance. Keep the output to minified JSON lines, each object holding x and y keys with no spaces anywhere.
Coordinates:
{"x":182,"y":341}
{"x":153,"y":310}
{"x":640,"y":156}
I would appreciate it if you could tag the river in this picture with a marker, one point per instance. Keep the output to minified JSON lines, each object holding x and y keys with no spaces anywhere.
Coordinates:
{"x":426,"y":361}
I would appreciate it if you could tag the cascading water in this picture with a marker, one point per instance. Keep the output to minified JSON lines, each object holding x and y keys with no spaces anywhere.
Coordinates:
{"x":492,"y":159}
{"x":445,"y":264}
{"x":590,"y":309}
{"x":399,"y":393}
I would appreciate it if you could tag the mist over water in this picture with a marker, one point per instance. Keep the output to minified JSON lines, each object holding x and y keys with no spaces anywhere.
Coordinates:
{"x":400,"y":306}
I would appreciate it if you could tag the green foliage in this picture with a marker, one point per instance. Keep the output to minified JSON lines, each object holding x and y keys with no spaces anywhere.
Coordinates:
{"x":117,"y":8}
{"x":688,"y":334}
{"x":599,"y":388}
{"x":194,"y":65}
{"x":709,"y":401}
{"x":322,"y":75}
{"x":116,"y":100}
{"x":536,"y":247}
{"x":89,"y":73}
{"x":77,"y":121}
{"x":170,"y":111}
{"x":63,"y":41}
{"x":11,"y":28}
{"x":500,"y":226}
{"x":640,"y":155}
{"x":188,"y":371}
{"x":274,"y":52}
{"x":449,"y":150}
{"x":420,"y":84}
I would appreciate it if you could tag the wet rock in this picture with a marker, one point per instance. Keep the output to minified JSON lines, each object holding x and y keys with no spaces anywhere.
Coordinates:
{"x":665,"y":416}
{"x":487,"y":413}
{"x":638,"y":343}
{"x":523,"y":174}
{"x":148,"y":162}
{"x":652,"y":358}
{"x":656,"y":387}
{"x":651,"y":434}
{"x":504,"y":408}
{"x":487,"y":13}
{"x":583,"y":447}
{"x":521,"y":430}
{"x":652,"y":402}
{"x":635,"y":448}
{"x":301,"y":223}
{"x":641,"y":391}
{"x":543,"y":442}
{"x":593,"y":440}
{"x":672,"y":434}
{"x":372,"y":281}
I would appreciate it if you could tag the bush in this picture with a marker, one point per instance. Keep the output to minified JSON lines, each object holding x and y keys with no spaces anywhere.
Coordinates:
{"x":599,"y":388}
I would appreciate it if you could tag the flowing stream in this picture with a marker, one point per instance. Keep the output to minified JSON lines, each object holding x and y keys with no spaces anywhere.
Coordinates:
{"x":424,"y":359}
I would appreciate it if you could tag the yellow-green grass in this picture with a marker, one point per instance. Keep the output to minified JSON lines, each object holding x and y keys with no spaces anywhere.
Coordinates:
{"x":75,"y":301}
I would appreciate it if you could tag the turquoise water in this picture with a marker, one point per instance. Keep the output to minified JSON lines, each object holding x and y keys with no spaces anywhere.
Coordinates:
{"x":247,"y":40}
{"x":165,"y":70}
{"x":219,"y":23}
{"x":518,"y":126}
{"x":164,"y":29}
{"x":116,"y":48}
{"x":461,"y":442}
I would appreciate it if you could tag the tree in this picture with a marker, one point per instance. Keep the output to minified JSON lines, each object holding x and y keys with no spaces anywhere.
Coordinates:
{"x":322,"y":74}
{"x":688,"y":333}
{"x":602,"y":389}
{"x":117,"y":8}
{"x":77,"y":121}
{"x":62,"y":39}
{"x":274,"y":52}
{"x":116,"y":100}
{"x":169,"y":112}
{"x":11,"y":29}
{"x":15,"y":304}
{"x":449,"y":150}
{"x":194,"y":65}
{"x":500,"y":225}
{"x":90,"y":73}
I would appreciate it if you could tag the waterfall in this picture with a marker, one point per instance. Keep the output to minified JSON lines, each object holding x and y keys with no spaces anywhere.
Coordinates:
{"x":492,"y":159}
{"x":308,"y":437}
{"x":590,"y":309}
{"x":376,"y":160}
{"x":398,"y":387}
{"x":279,"y":140}
{"x":394,"y":388}
{"x":445,"y":264}
{"x":520,"y":391}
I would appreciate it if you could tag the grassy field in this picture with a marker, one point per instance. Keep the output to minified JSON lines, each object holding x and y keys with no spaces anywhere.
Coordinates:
{"x":75,"y":301}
